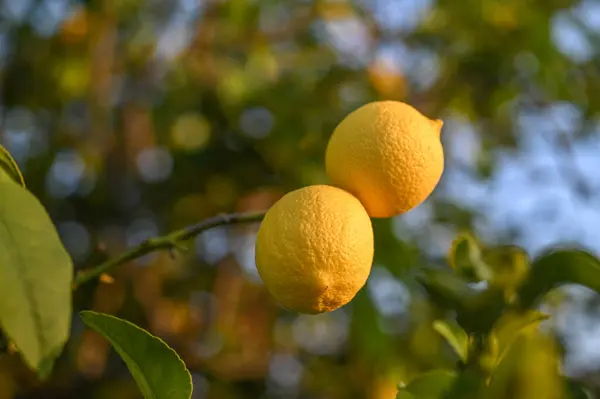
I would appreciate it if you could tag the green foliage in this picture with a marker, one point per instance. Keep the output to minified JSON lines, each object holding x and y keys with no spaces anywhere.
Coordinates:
{"x":403,"y":394}
{"x":456,"y":337}
{"x":35,"y":279}
{"x":503,"y":267}
{"x":556,"y":268}
{"x":465,"y":258}
{"x":431,"y":385}
{"x":529,"y":369}
{"x":509,"y":265}
{"x":577,"y":390}
{"x":9,"y":168}
{"x":448,"y":289}
{"x":157,"y":369}
{"x":476,"y":311}
{"x":511,"y":325}
{"x":497,"y":336}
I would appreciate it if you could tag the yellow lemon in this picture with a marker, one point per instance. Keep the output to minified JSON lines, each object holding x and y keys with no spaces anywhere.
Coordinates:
{"x":314,"y":249}
{"x":388,"y":155}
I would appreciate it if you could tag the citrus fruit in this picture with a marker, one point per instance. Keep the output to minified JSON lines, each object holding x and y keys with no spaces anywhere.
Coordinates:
{"x":388,"y":155}
{"x":314,"y":249}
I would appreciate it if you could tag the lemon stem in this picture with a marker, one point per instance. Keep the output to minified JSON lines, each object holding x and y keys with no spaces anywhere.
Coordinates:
{"x":169,"y":242}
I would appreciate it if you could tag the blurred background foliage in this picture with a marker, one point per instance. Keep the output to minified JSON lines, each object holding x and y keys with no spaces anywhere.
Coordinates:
{"x":131,"y":118}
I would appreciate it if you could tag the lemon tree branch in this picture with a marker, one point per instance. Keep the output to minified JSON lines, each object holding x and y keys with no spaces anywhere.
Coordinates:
{"x":168,"y":242}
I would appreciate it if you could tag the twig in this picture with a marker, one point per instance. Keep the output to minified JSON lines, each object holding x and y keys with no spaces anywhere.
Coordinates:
{"x":169,"y":241}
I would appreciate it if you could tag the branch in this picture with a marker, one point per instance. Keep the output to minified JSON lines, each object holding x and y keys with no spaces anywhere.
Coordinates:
{"x":169,"y":241}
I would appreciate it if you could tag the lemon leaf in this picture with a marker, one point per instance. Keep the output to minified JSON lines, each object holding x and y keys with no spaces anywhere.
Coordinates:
{"x":35,"y":279}
{"x":456,"y":337}
{"x":509,"y":265}
{"x":10,"y":168}
{"x":465,"y":258}
{"x":577,"y":390}
{"x":476,"y":311}
{"x":512,"y":324}
{"x":530,"y":369}
{"x":556,"y":268}
{"x":156,"y":368}
{"x":403,"y":394}
{"x":431,"y":385}
{"x":447,"y":289}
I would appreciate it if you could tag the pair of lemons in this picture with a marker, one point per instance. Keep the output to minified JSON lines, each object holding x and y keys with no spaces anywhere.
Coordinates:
{"x":314,"y":248}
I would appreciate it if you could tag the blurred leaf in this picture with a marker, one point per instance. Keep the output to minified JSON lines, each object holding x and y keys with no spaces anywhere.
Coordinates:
{"x":468,"y":385}
{"x":465,"y":258}
{"x":577,"y":390}
{"x":556,"y":268}
{"x":529,"y":370}
{"x":35,"y":279}
{"x":476,"y":311}
{"x":509,"y":265}
{"x":447,"y":289}
{"x":431,"y":385}
{"x":456,"y":337}
{"x":157,"y":369}
{"x":485,"y":308}
{"x":8,"y":165}
{"x":402,"y":394}
{"x":511,"y":324}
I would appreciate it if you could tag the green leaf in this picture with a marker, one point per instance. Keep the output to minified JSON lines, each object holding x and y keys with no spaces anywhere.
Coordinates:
{"x":530,"y":369}
{"x":468,"y":385}
{"x":512,"y":324}
{"x":456,"y":337}
{"x":447,"y":289}
{"x":577,"y":390}
{"x":465,"y":258}
{"x":431,"y":385}
{"x":10,"y":168}
{"x":156,"y":368}
{"x":476,"y":311}
{"x":556,"y":268}
{"x":403,"y":394}
{"x":35,"y":279}
{"x":509,"y":265}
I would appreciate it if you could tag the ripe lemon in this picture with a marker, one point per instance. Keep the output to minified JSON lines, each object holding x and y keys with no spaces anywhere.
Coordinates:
{"x":388,"y":155}
{"x":314,"y":249}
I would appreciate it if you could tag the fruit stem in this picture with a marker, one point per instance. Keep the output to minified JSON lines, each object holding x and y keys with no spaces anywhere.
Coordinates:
{"x":167,"y":242}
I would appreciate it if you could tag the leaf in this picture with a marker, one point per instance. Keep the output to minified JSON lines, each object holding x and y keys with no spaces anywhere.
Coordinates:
{"x":476,"y":311}
{"x":156,"y":368}
{"x":465,"y":258}
{"x":577,"y":390}
{"x":484,"y":310}
{"x":468,"y":385}
{"x":447,"y":289}
{"x":431,"y":385}
{"x":512,"y":324}
{"x":530,"y":369}
{"x":35,"y":279}
{"x":509,"y":265}
{"x":403,"y":394}
{"x":456,"y":337}
{"x":8,"y":165}
{"x":556,"y":268}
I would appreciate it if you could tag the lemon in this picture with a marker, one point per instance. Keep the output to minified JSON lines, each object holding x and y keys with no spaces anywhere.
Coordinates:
{"x":314,"y":249}
{"x":388,"y":155}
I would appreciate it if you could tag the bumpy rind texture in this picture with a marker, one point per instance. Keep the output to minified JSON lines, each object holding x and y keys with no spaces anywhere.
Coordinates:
{"x":388,"y":155}
{"x":314,"y":249}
